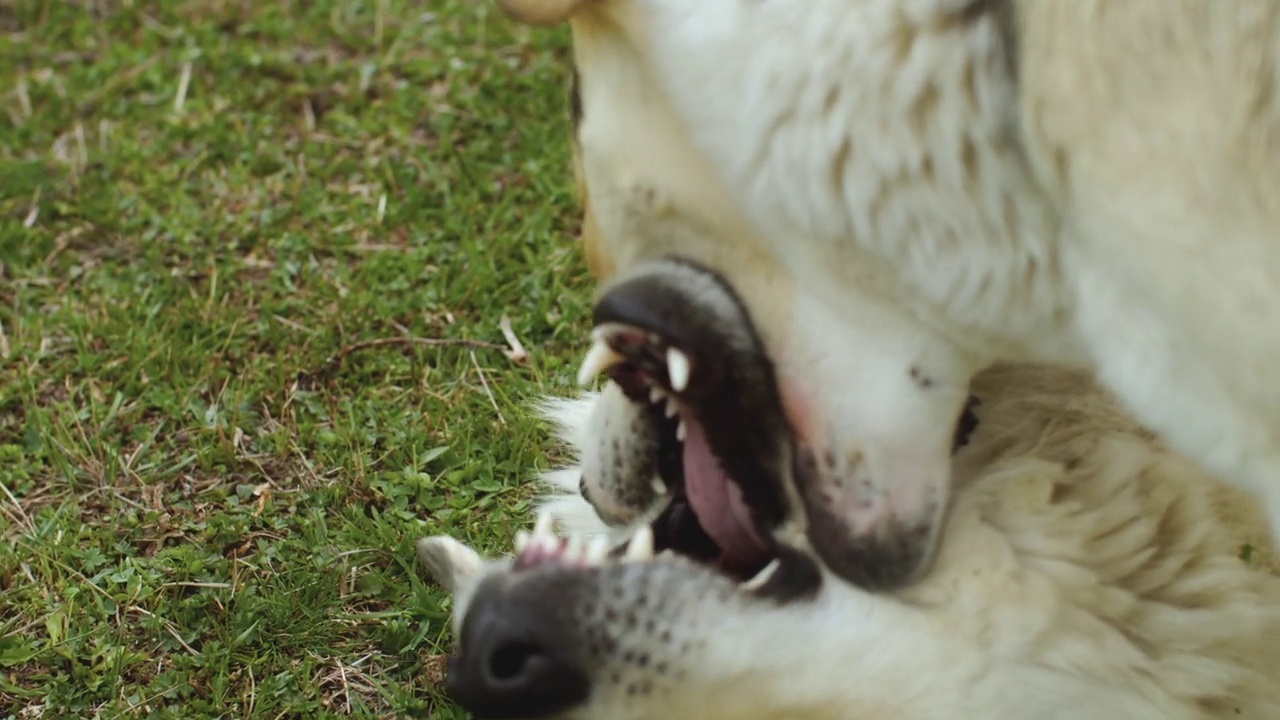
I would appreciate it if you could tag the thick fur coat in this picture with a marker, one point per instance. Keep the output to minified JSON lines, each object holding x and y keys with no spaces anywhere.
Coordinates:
{"x":1086,"y":572}
{"x":901,"y":194}
{"x":958,"y":182}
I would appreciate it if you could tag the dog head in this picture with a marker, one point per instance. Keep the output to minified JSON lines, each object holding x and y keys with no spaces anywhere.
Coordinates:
{"x":1081,"y":574}
{"x":862,"y":397}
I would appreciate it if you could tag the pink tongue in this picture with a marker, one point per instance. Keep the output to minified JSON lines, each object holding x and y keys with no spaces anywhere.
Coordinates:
{"x":716,"y":501}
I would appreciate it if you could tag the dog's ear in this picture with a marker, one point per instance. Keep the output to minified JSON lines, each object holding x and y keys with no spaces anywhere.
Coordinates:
{"x":455,"y":566}
{"x":451,"y":563}
{"x":539,"y":12}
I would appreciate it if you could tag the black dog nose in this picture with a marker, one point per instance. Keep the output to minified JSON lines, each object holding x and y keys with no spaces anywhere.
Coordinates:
{"x":512,"y":663}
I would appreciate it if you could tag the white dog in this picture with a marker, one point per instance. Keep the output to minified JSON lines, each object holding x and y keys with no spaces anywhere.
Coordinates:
{"x":906,"y":191}
{"x":1086,"y":572}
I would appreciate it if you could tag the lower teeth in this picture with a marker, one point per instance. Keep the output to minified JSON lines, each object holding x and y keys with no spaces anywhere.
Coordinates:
{"x":761,"y":577}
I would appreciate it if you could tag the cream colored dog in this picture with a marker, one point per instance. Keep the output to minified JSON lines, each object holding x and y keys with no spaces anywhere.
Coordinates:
{"x":903,"y":192}
{"x":1086,"y":574}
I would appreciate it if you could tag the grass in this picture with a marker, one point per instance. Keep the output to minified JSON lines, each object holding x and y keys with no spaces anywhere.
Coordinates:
{"x":254,"y":257}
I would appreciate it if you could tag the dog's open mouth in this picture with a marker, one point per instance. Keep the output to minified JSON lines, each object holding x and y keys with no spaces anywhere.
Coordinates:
{"x":706,"y":517}
{"x":697,"y":371}
{"x":680,"y":344}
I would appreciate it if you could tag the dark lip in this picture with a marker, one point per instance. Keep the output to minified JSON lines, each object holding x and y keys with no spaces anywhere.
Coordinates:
{"x":734,"y":396}
{"x":733,"y":390}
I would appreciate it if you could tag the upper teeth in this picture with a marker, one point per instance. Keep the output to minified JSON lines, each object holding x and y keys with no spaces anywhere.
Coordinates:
{"x":672,"y":406}
{"x":598,"y":359}
{"x":574,"y":546}
{"x":542,"y":526}
{"x":543,"y":545}
{"x":581,"y":551}
{"x":601,"y":356}
{"x":640,"y":546}
{"x":523,"y":539}
{"x":677,"y":369}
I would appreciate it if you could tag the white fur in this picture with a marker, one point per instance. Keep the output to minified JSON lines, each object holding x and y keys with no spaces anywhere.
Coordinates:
{"x":571,"y":420}
{"x":1113,"y":207}
{"x":844,"y":354}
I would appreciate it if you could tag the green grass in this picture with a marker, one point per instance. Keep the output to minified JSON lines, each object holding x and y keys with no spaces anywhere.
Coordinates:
{"x":211,"y":478}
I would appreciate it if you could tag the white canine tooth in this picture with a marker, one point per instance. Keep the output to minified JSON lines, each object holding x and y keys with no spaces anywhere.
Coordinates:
{"x":656,"y":395}
{"x":659,"y":487}
{"x":677,"y":369}
{"x":550,"y":546}
{"x":681,"y":431}
{"x":672,"y":407}
{"x":542,"y":526}
{"x":761,"y":577}
{"x":598,"y":359}
{"x":597,"y":550}
{"x":574,"y":550}
{"x":522,"y":540}
{"x":640,"y":547}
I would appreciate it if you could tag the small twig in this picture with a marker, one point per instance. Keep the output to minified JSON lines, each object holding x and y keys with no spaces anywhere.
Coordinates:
{"x":72,"y":571}
{"x":293,"y":324}
{"x":82,"y":145}
{"x":333,"y":363}
{"x":169,"y":627}
{"x":24,"y":99}
{"x":172,"y":631}
{"x":16,"y":520}
{"x":517,"y":353}
{"x":33,"y":210}
{"x":485,"y":384}
{"x":113,"y":85}
{"x":216,"y":585}
{"x":309,"y":122}
{"x":366,"y":344}
{"x":26,"y":519}
{"x":346,"y":689}
{"x":60,"y":243}
{"x":184,"y":82}
{"x":253,"y":691}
